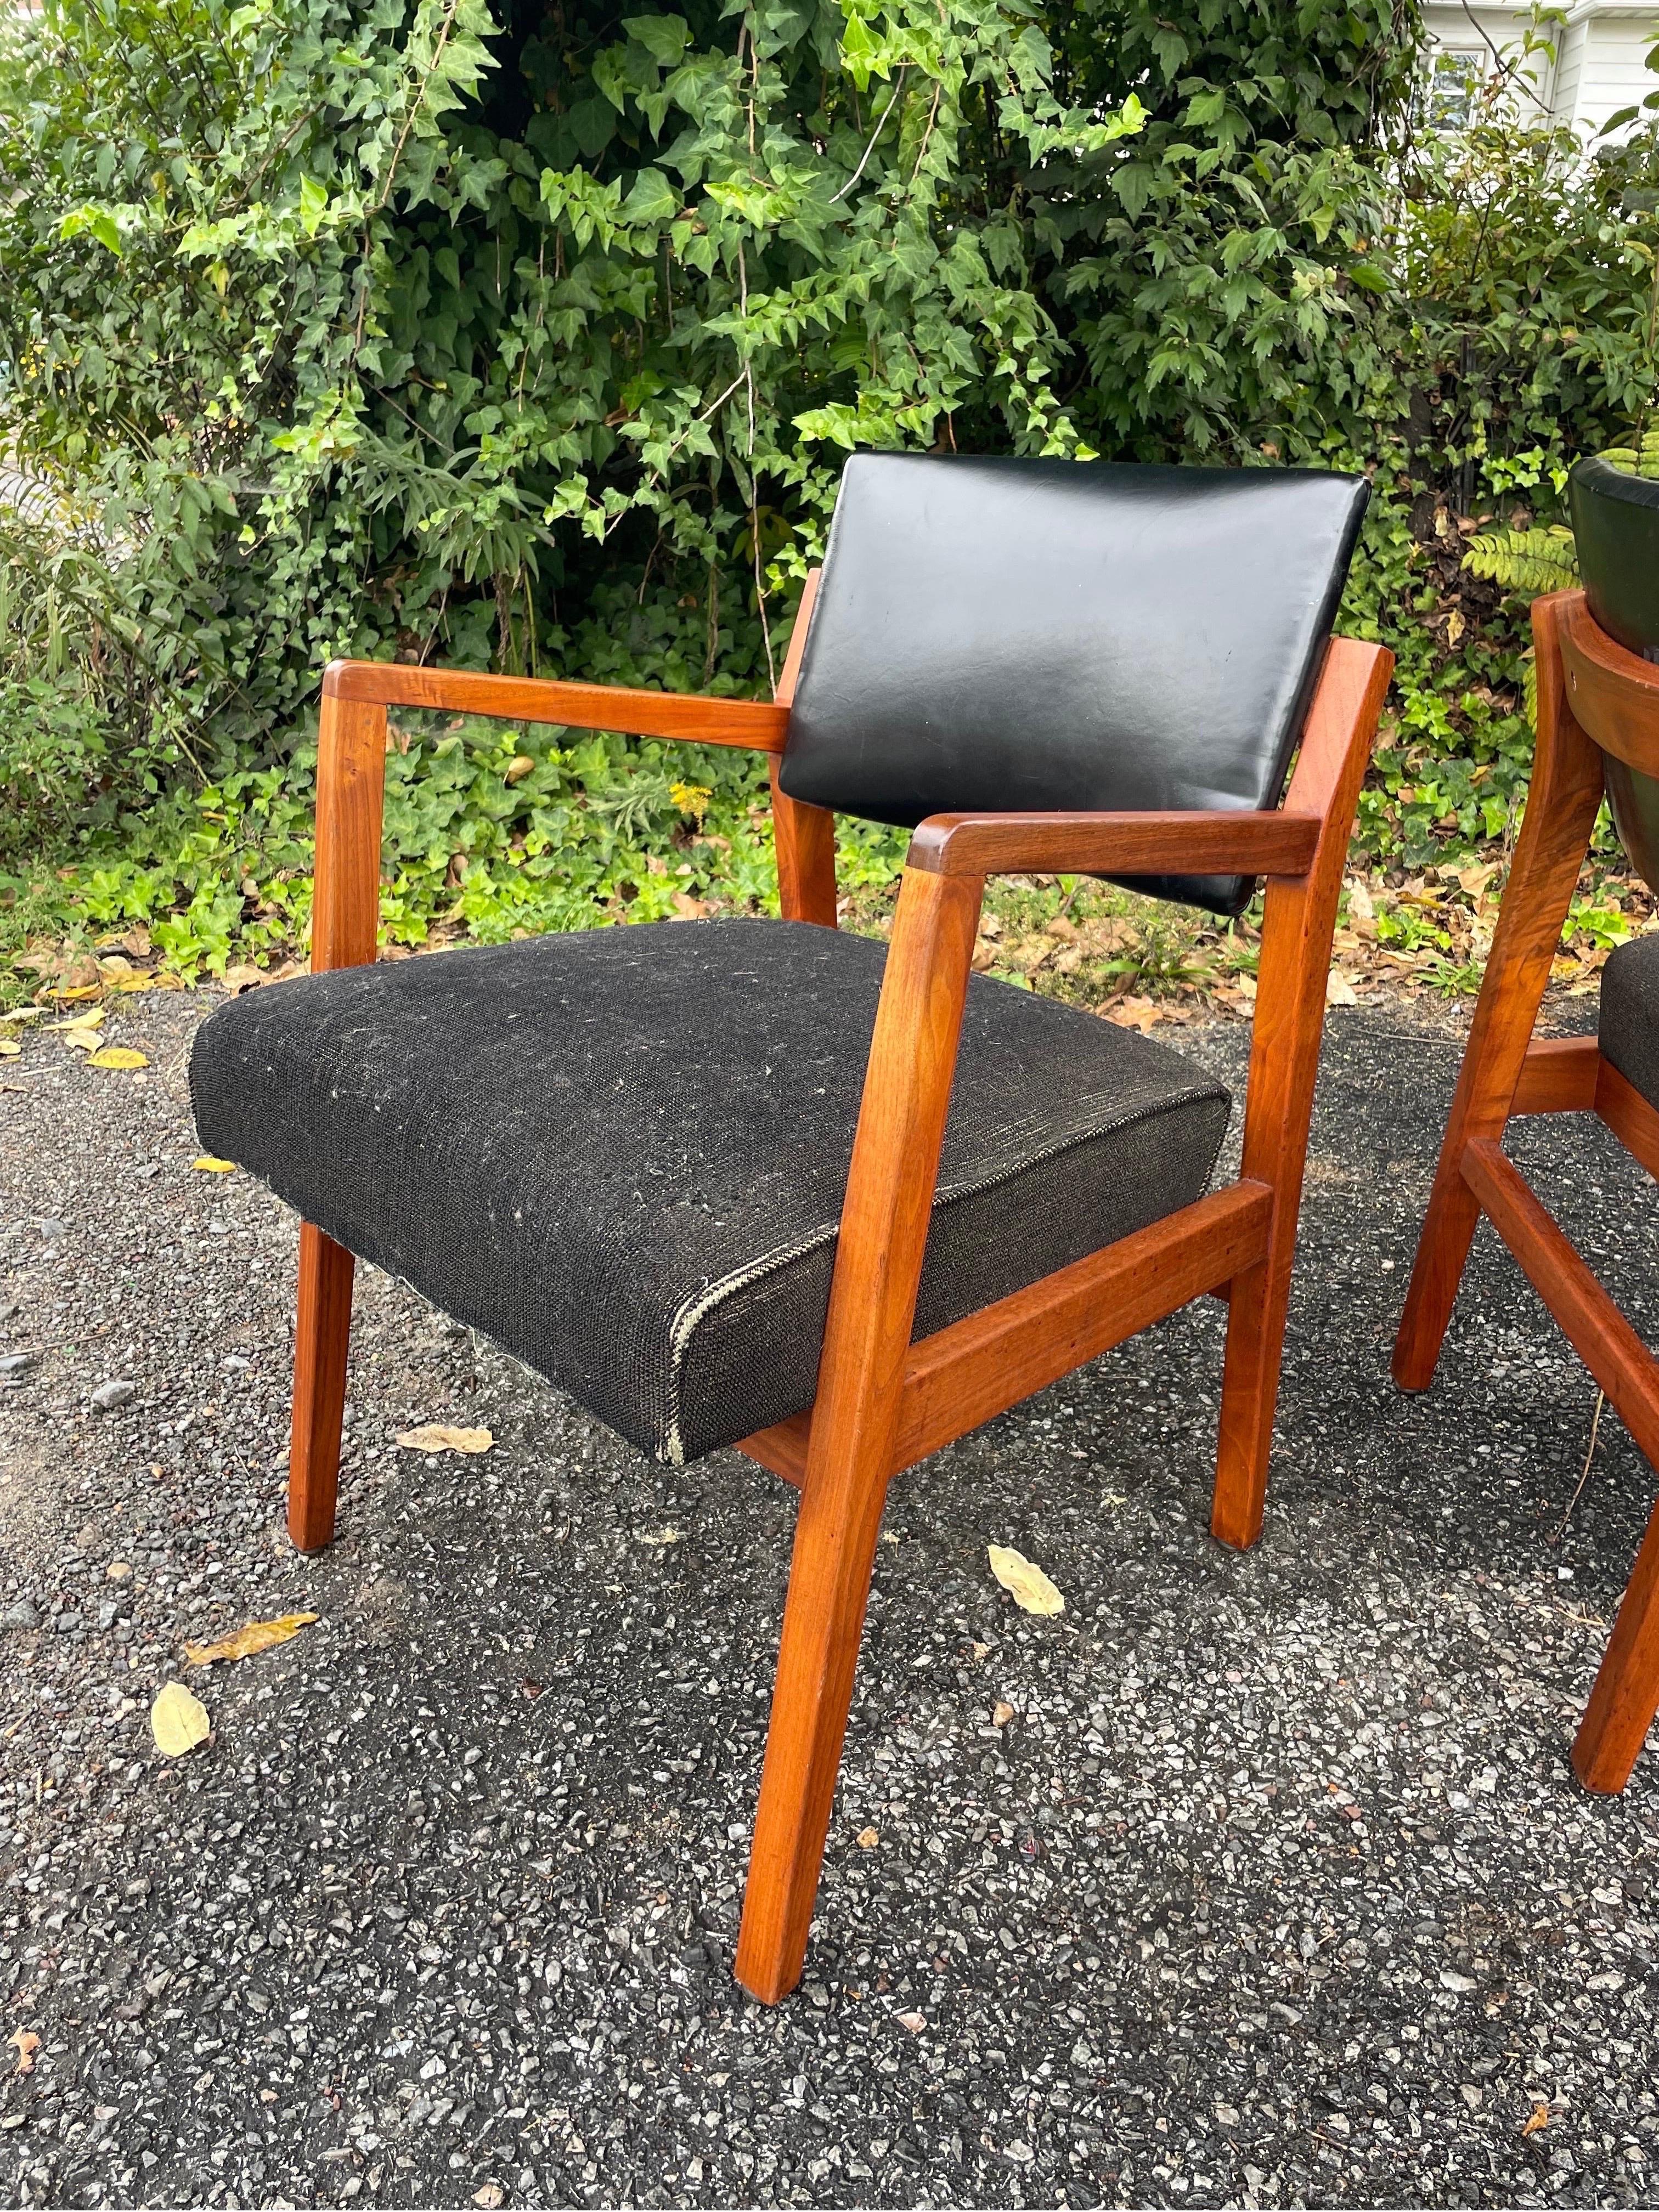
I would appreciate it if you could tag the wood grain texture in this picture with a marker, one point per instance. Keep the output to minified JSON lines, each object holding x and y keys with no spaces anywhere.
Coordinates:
{"x":968,"y":1374}
{"x":345,"y":919}
{"x":1199,"y":842}
{"x":1555,"y":833}
{"x":345,"y":911}
{"x":1296,"y":928}
{"x":883,"y":1231}
{"x":322,"y":1336}
{"x":1613,"y":694}
{"x":1626,"y":1696}
{"x":803,"y":836}
{"x":1558,"y":1076}
{"x":757,"y":724}
{"x":964,"y":1375}
{"x":1628,"y":1115}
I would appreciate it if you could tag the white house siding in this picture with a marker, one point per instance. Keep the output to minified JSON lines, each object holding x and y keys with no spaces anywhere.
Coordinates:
{"x":1600,"y":53}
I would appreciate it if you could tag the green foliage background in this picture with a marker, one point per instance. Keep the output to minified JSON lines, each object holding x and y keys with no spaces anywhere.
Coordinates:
{"x":537,"y":338}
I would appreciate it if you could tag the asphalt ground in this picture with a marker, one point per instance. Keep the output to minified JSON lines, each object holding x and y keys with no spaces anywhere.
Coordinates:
{"x":1271,"y":1885}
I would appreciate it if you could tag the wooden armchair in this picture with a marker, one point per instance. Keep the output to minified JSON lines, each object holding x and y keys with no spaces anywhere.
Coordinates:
{"x":704,"y":1175}
{"x":1598,"y":727}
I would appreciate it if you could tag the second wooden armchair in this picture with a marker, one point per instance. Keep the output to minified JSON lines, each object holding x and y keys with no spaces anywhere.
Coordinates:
{"x":764,"y":1184}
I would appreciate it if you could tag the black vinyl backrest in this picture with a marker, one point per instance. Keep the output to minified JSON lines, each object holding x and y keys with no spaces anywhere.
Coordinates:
{"x":1029,"y":635}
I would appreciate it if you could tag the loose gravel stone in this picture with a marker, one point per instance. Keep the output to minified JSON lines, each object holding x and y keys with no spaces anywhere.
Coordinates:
{"x":17,"y":1362}
{"x":1257,"y":1877}
{"x":108,"y":1395}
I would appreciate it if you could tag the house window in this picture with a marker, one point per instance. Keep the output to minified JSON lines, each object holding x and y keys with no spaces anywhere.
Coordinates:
{"x":1456,"y":75}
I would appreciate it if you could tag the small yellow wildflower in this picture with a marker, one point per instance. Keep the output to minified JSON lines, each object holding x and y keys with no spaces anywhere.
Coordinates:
{"x":691,"y":798}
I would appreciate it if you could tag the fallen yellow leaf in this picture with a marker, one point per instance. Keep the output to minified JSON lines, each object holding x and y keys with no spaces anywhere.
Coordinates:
{"x":10,"y":1048}
{"x":178,"y":1721}
{"x":434,"y":1437}
{"x":258,"y":1636}
{"x":1028,"y":1587}
{"x":79,"y":1025}
{"x":118,"y":1055}
{"x":137,"y":981}
{"x":26,"y":2043}
{"x":80,"y":991}
{"x":208,"y":1166}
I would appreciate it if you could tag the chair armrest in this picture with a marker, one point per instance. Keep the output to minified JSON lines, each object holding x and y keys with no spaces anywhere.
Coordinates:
{"x":755,"y":723}
{"x":1197,"y":843}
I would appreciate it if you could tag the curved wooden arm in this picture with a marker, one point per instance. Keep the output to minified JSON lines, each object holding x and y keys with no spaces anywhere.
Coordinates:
{"x":1149,"y":844}
{"x":757,"y":724}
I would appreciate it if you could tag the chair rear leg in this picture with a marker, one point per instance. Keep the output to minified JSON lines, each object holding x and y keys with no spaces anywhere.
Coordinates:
{"x":321,"y":1336}
{"x":1249,"y":1391}
{"x":1625,"y":1697}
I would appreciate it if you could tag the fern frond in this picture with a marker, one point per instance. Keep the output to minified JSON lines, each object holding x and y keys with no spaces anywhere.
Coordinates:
{"x":1529,"y":561}
{"x":1641,"y":460}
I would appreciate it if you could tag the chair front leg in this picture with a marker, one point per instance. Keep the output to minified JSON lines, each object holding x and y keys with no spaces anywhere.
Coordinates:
{"x":1555,"y":834}
{"x":1625,"y":1697}
{"x":346,"y":914}
{"x":884,"y":1235}
{"x":321,"y":1337}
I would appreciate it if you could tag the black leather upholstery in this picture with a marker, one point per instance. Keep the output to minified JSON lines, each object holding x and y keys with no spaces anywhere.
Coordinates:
{"x":1035,"y":634}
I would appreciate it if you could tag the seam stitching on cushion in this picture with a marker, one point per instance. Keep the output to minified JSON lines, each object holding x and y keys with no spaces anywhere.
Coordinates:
{"x":693,"y":1310}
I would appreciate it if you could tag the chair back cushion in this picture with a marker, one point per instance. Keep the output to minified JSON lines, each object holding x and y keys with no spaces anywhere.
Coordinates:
{"x":998,"y":634}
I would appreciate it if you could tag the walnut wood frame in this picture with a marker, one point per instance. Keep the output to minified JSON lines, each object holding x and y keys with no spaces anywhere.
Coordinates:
{"x":1594,"y":698}
{"x":883,"y":1400}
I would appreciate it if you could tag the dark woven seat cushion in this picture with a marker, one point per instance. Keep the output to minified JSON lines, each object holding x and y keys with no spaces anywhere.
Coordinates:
{"x":1630,"y":1014}
{"x":623,"y":1153}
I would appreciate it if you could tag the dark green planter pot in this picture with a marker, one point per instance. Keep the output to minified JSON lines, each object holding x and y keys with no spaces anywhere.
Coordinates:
{"x":1615,"y":523}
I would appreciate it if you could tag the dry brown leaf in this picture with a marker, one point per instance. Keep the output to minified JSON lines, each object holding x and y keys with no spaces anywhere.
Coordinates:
{"x":26,"y":2043}
{"x":868,"y":1838}
{"x":1140,"y":1014}
{"x":178,"y":1721}
{"x":688,"y":908}
{"x":258,"y":1636}
{"x":1026,"y":1583}
{"x":118,"y":1055}
{"x":1473,"y":880}
{"x":1001,"y":1713}
{"x":489,"y":2196}
{"x":208,"y":1166}
{"x":435,"y":1438}
{"x":1538,"y":2122}
{"x":1338,"y":991}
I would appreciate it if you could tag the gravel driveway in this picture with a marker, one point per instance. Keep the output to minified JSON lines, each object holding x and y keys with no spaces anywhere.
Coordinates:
{"x":1272,"y":1886}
